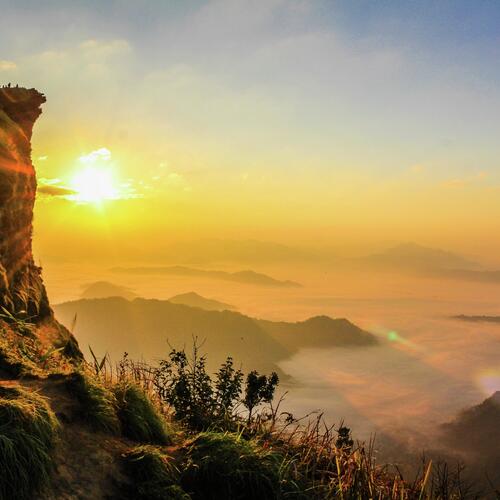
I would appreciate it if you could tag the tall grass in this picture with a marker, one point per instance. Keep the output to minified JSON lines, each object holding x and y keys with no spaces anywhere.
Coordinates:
{"x":98,"y":406}
{"x":225,"y":465}
{"x":27,"y":434}
{"x":139,"y":418}
{"x":277,"y":456}
{"x":153,"y":474}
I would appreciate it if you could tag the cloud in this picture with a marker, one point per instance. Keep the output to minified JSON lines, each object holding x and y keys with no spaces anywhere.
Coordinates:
{"x":101,"y":154}
{"x":7,"y":65}
{"x":54,"y":188}
{"x":104,"y":48}
{"x":465,"y":181}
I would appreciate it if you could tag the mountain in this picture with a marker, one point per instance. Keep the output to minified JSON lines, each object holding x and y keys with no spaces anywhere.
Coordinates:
{"x":103,"y":289}
{"x":246,"y":277}
{"x":470,"y":275}
{"x":430,"y":262}
{"x":476,"y":434}
{"x":411,"y":256}
{"x":318,"y":332}
{"x":145,"y":327}
{"x":478,"y":319}
{"x":192,"y":299}
{"x":477,"y":427}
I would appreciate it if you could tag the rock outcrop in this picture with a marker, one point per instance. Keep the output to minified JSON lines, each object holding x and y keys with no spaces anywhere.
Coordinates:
{"x":21,"y":287}
{"x":22,"y":293}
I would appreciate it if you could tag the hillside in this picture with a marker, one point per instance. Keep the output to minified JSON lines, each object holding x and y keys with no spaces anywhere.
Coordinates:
{"x":144,"y":326}
{"x":476,"y":434}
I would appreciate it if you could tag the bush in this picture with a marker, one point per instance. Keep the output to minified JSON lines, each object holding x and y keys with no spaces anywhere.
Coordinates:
{"x":221,"y":466}
{"x":97,"y":404}
{"x":27,"y":433}
{"x":153,"y":475}
{"x":139,"y":418}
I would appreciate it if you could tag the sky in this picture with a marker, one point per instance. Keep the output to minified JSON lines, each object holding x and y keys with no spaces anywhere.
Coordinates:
{"x":296,"y":121}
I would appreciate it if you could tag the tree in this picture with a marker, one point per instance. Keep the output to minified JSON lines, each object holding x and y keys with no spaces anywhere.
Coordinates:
{"x":259,"y":389}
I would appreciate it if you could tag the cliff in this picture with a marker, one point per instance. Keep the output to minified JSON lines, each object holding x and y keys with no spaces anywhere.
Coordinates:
{"x":23,"y":297}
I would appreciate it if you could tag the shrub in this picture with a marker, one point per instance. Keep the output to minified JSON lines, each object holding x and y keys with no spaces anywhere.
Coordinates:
{"x":97,"y":404}
{"x":227,"y":466}
{"x":139,"y":418}
{"x":153,"y":475}
{"x":27,"y":433}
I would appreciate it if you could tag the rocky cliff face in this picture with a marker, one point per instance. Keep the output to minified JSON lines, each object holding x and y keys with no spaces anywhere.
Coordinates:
{"x":22,"y":293}
{"x":21,"y":286}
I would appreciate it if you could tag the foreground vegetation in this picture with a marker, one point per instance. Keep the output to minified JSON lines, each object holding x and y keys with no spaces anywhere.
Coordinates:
{"x":201,"y":436}
{"x":233,"y":441}
{"x":27,"y":437}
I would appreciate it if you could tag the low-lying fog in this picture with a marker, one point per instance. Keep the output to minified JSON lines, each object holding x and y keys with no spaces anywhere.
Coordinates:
{"x":426,"y":368}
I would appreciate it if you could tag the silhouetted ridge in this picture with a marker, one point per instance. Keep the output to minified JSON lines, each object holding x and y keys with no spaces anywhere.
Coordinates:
{"x":248,"y":277}
{"x":143,"y":326}
{"x":195,"y":300}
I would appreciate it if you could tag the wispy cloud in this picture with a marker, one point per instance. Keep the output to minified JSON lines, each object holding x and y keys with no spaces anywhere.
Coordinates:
{"x":54,"y":188}
{"x":7,"y":65}
{"x":101,"y":154}
{"x":460,"y":182}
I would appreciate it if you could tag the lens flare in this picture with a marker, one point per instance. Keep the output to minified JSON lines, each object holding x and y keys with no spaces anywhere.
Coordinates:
{"x":489,"y":381}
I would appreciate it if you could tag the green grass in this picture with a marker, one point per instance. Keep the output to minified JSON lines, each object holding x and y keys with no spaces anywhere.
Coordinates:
{"x":17,"y":355}
{"x":98,"y":406}
{"x":227,"y":466}
{"x":153,"y":475}
{"x":140,"y":420}
{"x":27,"y":434}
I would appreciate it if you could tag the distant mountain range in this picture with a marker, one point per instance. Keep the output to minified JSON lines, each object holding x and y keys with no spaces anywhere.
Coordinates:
{"x":103,"y":289}
{"x":432,"y":262}
{"x":247,"y":277}
{"x":478,"y":319}
{"x":192,"y":299}
{"x":146,"y":327}
{"x":411,"y":256}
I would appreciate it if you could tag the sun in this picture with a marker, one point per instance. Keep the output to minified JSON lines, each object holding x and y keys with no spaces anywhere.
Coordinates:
{"x":94,"y":185}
